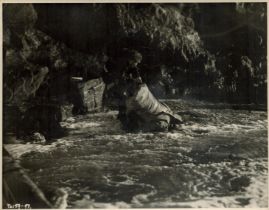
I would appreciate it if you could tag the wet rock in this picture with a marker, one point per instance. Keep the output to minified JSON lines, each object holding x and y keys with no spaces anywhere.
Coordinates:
{"x":239,"y":183}
{"x":200,"y":61}
{"x":158,"y":26}
{"x":223,"y":37}
{"x":10,"y":138}
{"x":57,"y":197}
{"x":161,"y":26}
{"x":37,"y":73}
{"x":25,"y":17}
{"x":66,"y":111}
{"x":163,"y":85}
{"x":44,"y":119}
{"x":38,"y":138}
{"x":91,"y":96}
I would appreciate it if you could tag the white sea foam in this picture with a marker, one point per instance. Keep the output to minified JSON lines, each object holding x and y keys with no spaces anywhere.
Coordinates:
{"x":222,"y":128}
{"x":87,"y":203}
{"x":17,"y":150}
{"x":102,"y":146}
{"x":78,"y":125}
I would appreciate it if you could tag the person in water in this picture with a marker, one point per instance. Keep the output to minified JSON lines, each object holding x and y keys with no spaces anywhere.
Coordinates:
{"x":141,"y":110}
{"x":129,"y":83}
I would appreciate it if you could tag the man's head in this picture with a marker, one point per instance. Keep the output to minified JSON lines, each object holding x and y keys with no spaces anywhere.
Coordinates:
{"x":133,"y":57}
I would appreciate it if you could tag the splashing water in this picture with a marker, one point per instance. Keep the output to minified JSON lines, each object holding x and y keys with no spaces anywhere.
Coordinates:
{"x":216,"y":159}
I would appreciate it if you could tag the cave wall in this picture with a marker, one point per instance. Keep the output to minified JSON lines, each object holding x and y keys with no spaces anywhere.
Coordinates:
{"x":237,"y":34}
{"x":210,"y":51}
{"x":37,"y":75}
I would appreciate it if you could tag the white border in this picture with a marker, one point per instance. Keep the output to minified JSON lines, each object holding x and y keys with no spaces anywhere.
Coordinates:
{"x":119,"y":1}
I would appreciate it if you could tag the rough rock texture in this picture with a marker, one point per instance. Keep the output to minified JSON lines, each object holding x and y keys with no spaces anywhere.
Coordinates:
{"x":91,"y":93}
{"x":37,"y":72}
{"x":161,"y":27}
{"x":237,"y":34}
{"x":154,"y":26}
{"x":206,"y":51}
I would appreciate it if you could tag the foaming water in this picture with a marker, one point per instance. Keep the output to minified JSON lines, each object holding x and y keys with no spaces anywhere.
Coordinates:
{"x":217,"y":158}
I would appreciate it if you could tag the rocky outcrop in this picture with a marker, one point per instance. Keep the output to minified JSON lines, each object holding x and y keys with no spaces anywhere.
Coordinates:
{"x":37,"y":72}
{"x":159,"y":27}
{"x":90,"y":96}
{"x":236,"y":33}
{"x":206,"y":51}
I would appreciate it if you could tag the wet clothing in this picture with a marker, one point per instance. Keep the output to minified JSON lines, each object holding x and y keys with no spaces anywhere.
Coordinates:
{"x":150,"y":114}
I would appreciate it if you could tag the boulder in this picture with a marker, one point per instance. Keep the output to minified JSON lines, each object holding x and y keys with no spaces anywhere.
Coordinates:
{"x":37,"y":138}
{"x":19,"y":17}
{"x":89,"y":97}
{"x":66,"y":111}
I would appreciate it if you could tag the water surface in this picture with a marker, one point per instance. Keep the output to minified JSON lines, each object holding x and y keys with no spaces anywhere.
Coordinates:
{"x":218,"y":158}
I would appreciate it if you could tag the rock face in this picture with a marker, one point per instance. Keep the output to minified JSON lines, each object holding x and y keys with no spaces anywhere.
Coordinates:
{"x":207,"y":51}
{"x":154,"y":26}
{"x":91,"y":94}
{"x":236,"y":33}
{"x":37,"y":72}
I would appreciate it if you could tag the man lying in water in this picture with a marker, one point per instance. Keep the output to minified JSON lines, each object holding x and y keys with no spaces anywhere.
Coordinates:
{"x":140,"y":110}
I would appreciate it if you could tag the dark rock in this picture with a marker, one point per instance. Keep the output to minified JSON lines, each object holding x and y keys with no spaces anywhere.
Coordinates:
{"x":10,"y":138}
{"x":232,"y":31}
{"x":19,"y":17}
{"x":239,"y":183}
{"x":38,"y":138}
{"x":66,"y":111}
{"x":91,"y":93}
{"x":71,"y":19}
{"x":163,"y":85}
{"x":210,"y":51}
{"x":44,"y":119}
{"x":37,"y":77}
{"x":145,"y":27}
{"x":11,"y":117}
{"x":57,"y":197}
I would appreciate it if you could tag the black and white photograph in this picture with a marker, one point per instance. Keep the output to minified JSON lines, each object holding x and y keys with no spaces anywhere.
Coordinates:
{"x":134,"y":105}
